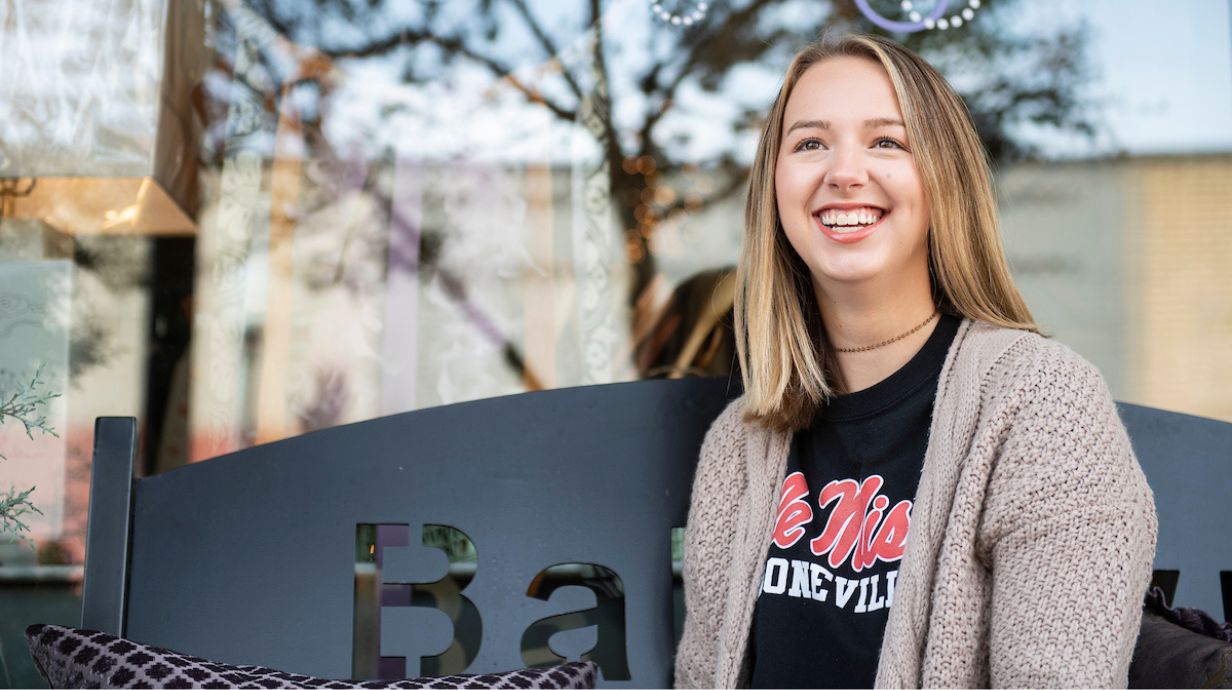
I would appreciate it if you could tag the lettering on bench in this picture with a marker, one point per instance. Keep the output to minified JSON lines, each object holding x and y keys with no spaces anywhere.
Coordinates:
{"x":412,"y":615}
{"x":605,"y":618}
{"x":410,"y":597}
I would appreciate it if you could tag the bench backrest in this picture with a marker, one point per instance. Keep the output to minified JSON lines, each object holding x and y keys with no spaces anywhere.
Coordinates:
{"x":252,"y":557}
{"x":1188,"y":463}
{"x":315,"y":555}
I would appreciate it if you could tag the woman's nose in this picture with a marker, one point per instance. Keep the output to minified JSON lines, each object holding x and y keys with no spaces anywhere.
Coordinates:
{"x":847,"y":170}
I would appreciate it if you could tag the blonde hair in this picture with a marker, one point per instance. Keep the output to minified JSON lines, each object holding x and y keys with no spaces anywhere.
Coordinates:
{"x":787,"y":367}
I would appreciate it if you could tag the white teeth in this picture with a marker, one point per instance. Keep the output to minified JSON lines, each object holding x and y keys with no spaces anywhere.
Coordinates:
{"x":862,"y":216}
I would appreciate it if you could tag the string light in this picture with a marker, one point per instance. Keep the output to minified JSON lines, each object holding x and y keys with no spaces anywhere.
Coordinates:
{"x":919,"y":21}
{"x":953,"y":21}
{"x":689,"y":18}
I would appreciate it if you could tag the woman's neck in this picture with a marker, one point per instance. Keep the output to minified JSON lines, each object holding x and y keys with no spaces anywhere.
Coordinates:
{"x":864,"y":319}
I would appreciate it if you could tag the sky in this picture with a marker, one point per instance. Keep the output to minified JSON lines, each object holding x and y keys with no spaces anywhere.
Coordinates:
{"x":1164,"y":74}
{"x":1162,"y":71}
{"x":1166,"y":70}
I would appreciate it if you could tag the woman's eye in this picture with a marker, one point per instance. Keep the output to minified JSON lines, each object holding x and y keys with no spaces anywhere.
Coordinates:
{"x":809,"y":145}
{"x":894,"y":143}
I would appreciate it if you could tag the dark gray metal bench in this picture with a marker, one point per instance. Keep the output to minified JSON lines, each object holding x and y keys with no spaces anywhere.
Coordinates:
{"x":252,"y":557}
{"x":307,"y":554}
{"x":1188,"y":463}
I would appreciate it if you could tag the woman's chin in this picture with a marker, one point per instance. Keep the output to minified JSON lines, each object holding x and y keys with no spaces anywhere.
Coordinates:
{"x":849,"y":273}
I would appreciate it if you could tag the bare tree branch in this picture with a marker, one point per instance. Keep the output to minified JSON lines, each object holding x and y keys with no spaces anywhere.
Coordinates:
{"x":691,"y":60}
{"x":457,"y":46}
{"x":549,"y":46}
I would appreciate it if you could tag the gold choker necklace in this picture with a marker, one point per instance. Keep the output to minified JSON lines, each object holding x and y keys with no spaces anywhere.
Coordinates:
{"x":891,"y":340}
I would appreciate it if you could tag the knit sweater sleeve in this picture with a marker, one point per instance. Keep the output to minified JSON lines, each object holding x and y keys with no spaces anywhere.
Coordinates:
{"x":709,"y":535}
{"x":1068,"y":532}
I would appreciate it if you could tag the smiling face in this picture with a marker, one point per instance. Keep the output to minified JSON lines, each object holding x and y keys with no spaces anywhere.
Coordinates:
{"x":849,"y":194}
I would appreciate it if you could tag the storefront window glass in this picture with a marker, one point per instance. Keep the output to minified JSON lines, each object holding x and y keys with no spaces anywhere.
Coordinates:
{"x":244,"y":220}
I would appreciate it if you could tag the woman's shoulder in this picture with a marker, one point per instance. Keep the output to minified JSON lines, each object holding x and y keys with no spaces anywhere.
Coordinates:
{"x":720,"y":467}
{"x":1032,"y":367}
{"x":729,"y":428}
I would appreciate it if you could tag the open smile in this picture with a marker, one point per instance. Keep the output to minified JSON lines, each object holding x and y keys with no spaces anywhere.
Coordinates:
{"x":849,"y":224}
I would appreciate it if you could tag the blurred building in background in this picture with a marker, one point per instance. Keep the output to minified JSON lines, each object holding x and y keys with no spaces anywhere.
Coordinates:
{"x":1126,"y":260}
{"x":242,"y":220}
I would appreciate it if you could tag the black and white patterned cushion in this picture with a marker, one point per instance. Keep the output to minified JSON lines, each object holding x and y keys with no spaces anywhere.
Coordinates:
{"x":72,"y":658}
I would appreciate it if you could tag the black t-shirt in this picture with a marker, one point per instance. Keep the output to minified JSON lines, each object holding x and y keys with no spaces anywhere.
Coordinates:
{"x":842,"y":521}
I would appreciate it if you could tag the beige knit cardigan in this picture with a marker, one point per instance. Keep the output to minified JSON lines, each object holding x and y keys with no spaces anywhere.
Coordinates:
{"x":1030,"y":545}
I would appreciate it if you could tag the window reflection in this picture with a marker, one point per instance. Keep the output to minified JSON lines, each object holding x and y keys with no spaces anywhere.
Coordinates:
{"x":241,"y":220}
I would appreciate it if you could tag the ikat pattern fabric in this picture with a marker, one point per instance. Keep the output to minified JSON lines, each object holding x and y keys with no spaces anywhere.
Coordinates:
{"x":73,"y":658}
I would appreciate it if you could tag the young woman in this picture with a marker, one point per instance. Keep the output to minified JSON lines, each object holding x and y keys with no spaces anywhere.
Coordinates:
{"x":917,"y":488}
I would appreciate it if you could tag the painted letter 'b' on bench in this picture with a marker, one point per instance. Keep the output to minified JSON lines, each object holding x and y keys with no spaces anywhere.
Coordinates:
{"x":413,"y":618}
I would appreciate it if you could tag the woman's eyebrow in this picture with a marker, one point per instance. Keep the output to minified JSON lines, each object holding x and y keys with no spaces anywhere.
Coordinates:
{"x":884,"y":122}
{"x":825,"y":124}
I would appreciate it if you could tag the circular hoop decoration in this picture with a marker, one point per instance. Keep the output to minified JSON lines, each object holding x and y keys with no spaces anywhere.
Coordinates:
{"x":911,"y":27}
{"x":683,"y":18}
